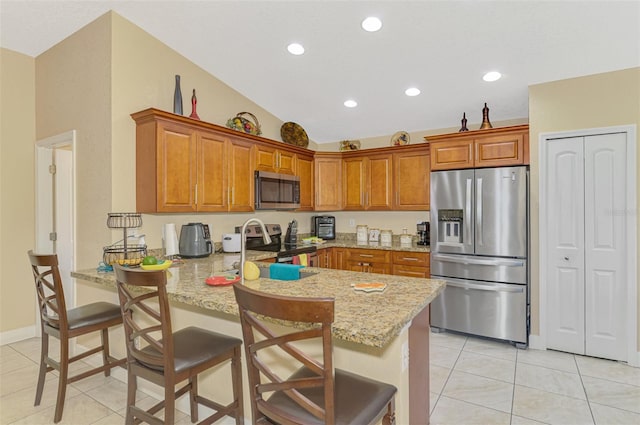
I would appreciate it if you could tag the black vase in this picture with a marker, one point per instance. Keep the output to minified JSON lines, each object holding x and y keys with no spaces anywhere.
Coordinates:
{"x":177,"y":98}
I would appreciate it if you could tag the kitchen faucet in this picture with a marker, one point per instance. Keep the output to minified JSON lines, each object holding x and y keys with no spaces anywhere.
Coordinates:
{"x":243,"y":242}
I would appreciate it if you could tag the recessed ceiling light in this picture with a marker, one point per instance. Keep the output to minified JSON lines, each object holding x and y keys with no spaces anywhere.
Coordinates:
{"x":492,"y":76}
{"x":412,"y":91}
{"x":295,"y":49}
{"x":371,"y":24}
{"x":350,"y":103}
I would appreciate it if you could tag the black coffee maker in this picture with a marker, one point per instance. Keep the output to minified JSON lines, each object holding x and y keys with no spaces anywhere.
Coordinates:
{"x":423,"y":233}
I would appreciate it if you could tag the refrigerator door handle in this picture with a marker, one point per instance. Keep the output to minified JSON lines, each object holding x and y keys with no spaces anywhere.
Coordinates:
{"x":494,"y":288}
{"x":507,"y":262}
{"x":467,"y":213}
{"x":479,"y":227}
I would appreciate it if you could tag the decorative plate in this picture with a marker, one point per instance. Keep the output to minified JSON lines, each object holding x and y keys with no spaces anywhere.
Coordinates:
{"x":221,"y":280}
{"x":400,"y":138}
{"x":241,"y":123}
{"x":293,"y":134}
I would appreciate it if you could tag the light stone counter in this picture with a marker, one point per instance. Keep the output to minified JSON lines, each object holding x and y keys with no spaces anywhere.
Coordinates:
{"x":365,"y":318}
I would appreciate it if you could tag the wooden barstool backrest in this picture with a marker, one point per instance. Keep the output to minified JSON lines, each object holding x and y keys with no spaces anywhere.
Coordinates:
{"x":51,"y":301}
{"x":316,"y":316}
{"x":147,"y":328}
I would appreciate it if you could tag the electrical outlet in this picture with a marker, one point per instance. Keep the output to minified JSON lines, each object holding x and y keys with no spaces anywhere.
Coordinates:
{"x":352,"y":222}
{"x":405,"y":356}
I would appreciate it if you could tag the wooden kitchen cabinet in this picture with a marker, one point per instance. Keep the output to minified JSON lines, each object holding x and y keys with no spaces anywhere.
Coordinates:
{"x":368,"y":260}
{"x":411,"y":264}
{"x":275,"y":160}
{"x":411,"y":170}
{"x":328,"y":181}
{"x":494,"y":147}
{"x":367,"y":182}
{"x":304,"y":170}
{"x":183,"y":166}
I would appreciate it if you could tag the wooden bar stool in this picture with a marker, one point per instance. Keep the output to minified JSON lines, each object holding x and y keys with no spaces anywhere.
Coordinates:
{"x":166,"y":358}
{"x":57,"y":321}
{"x":316,"y":393}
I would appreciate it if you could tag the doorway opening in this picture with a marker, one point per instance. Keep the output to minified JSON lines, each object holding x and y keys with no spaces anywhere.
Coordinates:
{"x":56,"y":205}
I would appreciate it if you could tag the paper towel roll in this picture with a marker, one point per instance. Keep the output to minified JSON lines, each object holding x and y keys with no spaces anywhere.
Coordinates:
{"x":170,"y":239}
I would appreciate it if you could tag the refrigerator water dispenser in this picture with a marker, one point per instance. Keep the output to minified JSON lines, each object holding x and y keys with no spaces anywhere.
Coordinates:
{"x":450,"y":226}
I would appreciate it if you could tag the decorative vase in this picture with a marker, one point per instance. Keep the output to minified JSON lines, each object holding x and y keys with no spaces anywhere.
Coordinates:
{"x":464,"y":123}
{"x":485,"y":118}
{"x":177,"y":98}
{"x":194,"y":102}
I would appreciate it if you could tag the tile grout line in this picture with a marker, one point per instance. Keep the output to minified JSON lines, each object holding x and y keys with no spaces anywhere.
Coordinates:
{"x":586,"y":394}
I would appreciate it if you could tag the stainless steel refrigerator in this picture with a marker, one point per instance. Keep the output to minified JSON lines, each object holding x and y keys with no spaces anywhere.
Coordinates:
{"x":480,"y":246}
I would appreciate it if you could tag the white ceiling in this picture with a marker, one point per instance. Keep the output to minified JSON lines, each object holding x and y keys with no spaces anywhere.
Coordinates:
{"x":441,"y":47}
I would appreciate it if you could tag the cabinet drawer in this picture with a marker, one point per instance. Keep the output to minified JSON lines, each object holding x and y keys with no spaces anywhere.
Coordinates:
{"x":420,"y":259}
{"x":368,"y":255}
{"x":410,"y":271}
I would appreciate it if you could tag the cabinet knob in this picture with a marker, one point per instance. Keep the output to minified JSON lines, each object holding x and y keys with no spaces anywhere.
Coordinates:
{"x":566,"y":258}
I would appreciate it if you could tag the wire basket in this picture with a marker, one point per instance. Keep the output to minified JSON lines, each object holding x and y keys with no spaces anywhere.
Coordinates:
{"x":124,"y":220}
{"x":131,"y":255}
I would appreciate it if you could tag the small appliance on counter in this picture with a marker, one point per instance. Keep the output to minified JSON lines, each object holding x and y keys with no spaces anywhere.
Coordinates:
{"x":423,"y":233}
{"x":323,"y":226}
{"x":291,"y":237}
{"x":231,"y":242}
{"x":195,"y":241}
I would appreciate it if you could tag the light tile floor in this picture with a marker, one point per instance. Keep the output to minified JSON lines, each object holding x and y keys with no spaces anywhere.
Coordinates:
{"x":473,"y":381}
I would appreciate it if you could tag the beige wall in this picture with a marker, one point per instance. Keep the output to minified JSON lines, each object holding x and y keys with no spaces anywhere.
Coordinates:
{"x":17,"y":235}
{"x":594,"y":101}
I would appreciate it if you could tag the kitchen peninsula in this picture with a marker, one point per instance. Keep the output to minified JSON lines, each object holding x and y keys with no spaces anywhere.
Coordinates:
{"x":382,"y":335}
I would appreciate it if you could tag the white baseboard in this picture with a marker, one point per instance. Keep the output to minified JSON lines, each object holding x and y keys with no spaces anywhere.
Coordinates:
{"x":15,"y":335}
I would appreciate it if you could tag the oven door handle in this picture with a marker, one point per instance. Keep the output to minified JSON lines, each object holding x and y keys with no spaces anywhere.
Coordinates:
{"x":477,"y":261}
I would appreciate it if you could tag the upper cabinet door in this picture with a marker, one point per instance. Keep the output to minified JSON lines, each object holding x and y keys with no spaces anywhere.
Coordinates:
{"x":176,"y":171}
{"x":451,"y":155}
{"x":499,"y":150}
{"x":304,"y":166}
{"x":241,"y":184}
{"x":354,"y":183}
{"x":412,"y":171}
{"x":212,"y":169}
{"x":379,"y":182}
{"x":328,"y":180}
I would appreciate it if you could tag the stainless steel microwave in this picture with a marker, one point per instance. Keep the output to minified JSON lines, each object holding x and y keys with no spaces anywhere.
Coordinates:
{"x":275,"y":191}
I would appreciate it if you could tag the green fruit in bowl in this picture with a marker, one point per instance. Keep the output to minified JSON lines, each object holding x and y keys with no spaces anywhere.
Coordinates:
{"x":149,"y":260}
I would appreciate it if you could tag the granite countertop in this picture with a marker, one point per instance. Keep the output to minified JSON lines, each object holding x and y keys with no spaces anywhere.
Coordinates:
{"x":372,"y":319}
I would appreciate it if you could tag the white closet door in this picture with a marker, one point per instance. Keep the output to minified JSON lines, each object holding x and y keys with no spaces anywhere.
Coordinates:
{"x":605,"y":241}
{"x":565,"y":242}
